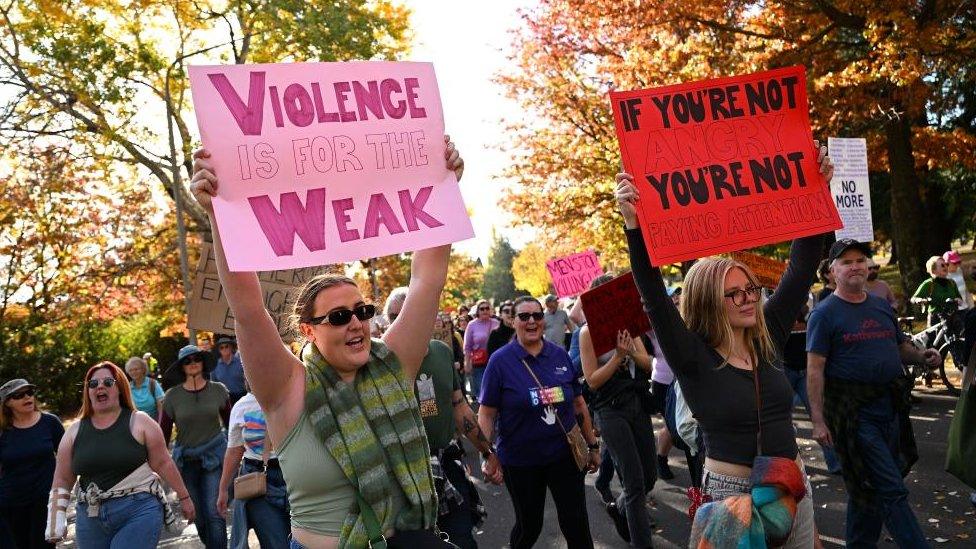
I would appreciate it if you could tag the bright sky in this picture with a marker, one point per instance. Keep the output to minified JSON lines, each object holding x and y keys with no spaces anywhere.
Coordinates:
{"x":467,"y":42}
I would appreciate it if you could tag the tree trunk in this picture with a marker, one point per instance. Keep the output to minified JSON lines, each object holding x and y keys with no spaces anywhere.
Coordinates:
{"x":908,"y":233}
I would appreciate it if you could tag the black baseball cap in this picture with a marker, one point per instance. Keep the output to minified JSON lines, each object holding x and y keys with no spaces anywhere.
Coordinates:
{"x":844,"y":244}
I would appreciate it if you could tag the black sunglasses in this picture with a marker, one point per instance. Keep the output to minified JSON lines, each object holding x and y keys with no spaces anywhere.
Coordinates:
{"x":341,"y":317}
{"x":198,"y":357}
{"x":524,"y":317}
{"x":22,"y":394}
{"x":107,"y":382}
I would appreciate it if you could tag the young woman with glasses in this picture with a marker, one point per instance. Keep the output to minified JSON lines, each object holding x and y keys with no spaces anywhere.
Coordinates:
{"x":343,"y":416}
{"x":29,"y":439}
{"x":120,"y":455}
{"x":723,"y":336}
{"x":200,"y":409}
{"x":530,"y":398}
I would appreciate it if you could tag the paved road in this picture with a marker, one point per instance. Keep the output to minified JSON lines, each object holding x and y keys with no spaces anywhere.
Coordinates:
{"x":940,"y":501}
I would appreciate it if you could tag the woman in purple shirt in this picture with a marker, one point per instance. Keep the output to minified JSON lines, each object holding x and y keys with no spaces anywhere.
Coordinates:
{"x":529,"y":396}
{"x":476,"y":344}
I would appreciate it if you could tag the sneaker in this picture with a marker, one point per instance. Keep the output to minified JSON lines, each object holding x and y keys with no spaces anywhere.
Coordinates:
{"x":606,"y":496}
{"x":619,"y":521}
{"x":663,"y":469}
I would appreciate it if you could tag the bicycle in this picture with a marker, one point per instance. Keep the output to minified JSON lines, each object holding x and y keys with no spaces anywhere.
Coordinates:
{"x":945,"y":336}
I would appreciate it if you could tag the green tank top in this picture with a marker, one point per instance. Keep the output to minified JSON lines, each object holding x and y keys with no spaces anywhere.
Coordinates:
{"x":319,"y":494}
{"x":106,"y":456}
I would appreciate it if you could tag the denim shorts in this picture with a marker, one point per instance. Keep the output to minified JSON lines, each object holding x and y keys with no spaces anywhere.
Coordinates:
{"x":720,"y":487}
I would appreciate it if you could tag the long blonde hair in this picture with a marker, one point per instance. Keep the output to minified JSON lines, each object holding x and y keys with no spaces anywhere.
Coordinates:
{"x":703,"y":308}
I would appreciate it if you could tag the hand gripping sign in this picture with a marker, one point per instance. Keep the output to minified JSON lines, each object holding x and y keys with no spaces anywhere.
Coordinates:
{"x":572,"y":274}
{"x":723,"y":165}
{"x":327,"y":162}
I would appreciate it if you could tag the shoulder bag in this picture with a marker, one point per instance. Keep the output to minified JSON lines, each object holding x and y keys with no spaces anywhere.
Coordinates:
{"x":253,"y":485}
{"x":577,"y":444}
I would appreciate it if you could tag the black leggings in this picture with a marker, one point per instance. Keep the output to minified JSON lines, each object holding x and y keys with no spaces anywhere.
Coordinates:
{"x":23,"y":526}
{"x":527,"y":488}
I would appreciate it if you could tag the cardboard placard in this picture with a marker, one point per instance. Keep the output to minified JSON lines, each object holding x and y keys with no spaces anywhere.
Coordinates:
{"x":768,"y":270}
{"x":723,"y":165}
{"x":210,"y":312}
{"x":851,"y":187}
{"x":617,"y":305}
{"x":324,"y":163}
{"x":572,"y":274}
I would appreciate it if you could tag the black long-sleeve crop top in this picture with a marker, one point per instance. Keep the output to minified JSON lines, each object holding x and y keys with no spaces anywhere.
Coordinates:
{"x":723,"y":399}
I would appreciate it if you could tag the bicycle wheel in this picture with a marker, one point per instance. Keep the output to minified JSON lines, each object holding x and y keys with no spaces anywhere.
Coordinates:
{"x":950,"y":387}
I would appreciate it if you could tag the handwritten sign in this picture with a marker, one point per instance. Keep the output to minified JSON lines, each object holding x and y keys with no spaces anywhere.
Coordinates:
{"x":327,"y":162}
{"x":571,"y":275}
{"x":620,"y":298}
{"x":851,"y":187}
{"x":768,"y":270}
{"x":723,"y":165}
{"x":210,"y":312}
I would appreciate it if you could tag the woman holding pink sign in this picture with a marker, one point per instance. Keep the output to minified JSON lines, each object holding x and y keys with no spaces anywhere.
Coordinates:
{"x":343,"y":417}
{"x":726,"y":347}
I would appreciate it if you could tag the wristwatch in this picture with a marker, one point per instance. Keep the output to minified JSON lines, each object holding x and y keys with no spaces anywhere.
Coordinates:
{"x":487,"y":453}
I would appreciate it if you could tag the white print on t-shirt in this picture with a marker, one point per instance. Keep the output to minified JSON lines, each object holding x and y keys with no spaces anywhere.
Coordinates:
{"x":561,"y":369}
{"x":425,"y":394}
{"x":550,"y":416}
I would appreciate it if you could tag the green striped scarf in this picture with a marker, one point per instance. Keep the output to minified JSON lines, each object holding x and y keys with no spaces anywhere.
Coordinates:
{"x":379,"y":440}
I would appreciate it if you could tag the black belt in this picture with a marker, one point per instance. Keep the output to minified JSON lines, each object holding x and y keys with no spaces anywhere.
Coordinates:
{"x":272,"y":463}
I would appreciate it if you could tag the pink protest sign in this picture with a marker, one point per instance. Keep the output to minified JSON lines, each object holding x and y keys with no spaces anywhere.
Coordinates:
{"x":571,"y":275}
{"x":327,"y":162}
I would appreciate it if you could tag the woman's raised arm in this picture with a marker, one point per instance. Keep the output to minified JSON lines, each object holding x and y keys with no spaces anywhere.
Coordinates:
{"x":268,"y":364}
{"x":410,"y":333}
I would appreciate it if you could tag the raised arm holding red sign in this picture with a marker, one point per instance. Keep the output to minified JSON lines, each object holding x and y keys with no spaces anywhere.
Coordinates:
{"x":327,"y":162}
{"x":723,"y":165}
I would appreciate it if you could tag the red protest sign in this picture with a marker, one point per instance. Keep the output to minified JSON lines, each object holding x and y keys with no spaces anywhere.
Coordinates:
{"x":723,"y":165}
{"x":612,"y":307}
{"x":571,"y":275}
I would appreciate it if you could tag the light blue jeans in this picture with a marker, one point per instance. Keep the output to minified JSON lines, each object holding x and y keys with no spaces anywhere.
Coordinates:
{"x":132,"y":521}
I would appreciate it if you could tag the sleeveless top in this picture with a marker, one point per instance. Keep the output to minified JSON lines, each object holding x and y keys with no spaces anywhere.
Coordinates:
{"x":106,"y":456}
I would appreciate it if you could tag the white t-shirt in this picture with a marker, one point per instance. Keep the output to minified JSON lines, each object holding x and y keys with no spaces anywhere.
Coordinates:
{"x":960,"y":280}
{"x":248,"y":427}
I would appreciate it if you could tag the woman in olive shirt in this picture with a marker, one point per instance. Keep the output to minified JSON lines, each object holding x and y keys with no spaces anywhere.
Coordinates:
{"x":199,"y":408}
{"x":335,"y":371}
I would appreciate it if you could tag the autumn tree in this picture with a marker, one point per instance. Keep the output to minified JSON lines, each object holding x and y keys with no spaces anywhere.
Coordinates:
{"x":897,"y":73}
{"x":465,"y":277}
{"x":77,"y":248}
{"x":499,"y":284}
{"x":529,"y":270}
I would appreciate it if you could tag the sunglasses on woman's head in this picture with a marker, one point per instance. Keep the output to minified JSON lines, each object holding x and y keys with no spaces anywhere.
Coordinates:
{"x":107,"y":382}
{"x":341,"y":317}
{"x":22,"y":394}
{"x":524,"y":317}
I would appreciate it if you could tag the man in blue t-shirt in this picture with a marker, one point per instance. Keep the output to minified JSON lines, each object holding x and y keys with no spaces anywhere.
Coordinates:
{"x":229,"y":369}
{"x":855,"y":352}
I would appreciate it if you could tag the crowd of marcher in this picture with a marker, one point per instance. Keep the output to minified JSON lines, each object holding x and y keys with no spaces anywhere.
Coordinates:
{"x":357,"y":440}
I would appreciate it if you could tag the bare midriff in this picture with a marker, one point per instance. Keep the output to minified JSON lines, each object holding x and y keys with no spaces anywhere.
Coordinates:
{"x":311,"y":540}
{"x":734,"y":469}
